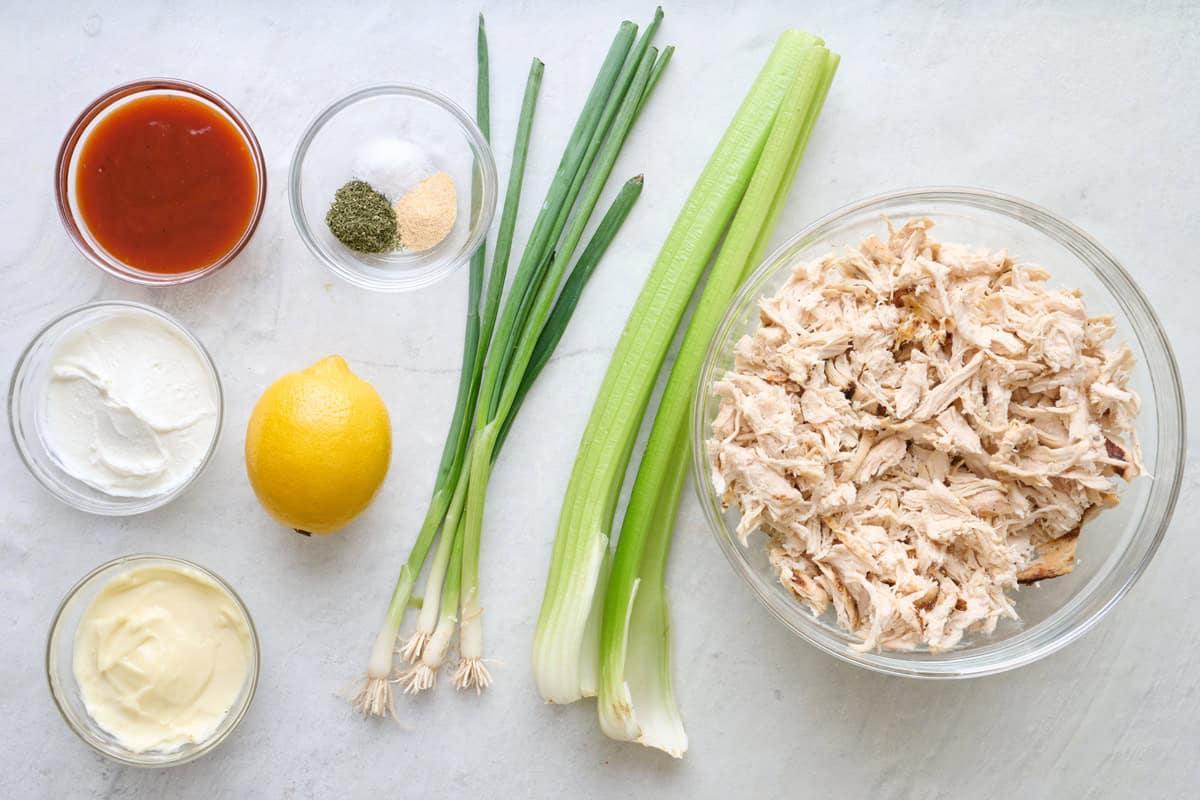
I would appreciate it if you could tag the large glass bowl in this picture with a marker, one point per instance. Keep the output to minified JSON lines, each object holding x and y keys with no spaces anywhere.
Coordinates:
{"x":1115,"y":547}
{"x":64,"y":688}
{"x":324,"y":160}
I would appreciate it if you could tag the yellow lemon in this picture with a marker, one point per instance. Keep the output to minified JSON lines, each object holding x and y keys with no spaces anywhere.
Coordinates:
{"x":317,"y":447}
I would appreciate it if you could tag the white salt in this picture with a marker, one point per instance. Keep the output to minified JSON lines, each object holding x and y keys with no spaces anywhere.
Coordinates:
{"x":393,"y":167}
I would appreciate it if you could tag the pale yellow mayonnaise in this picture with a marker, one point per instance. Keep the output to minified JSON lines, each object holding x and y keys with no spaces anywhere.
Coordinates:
{"x":161,"y":655}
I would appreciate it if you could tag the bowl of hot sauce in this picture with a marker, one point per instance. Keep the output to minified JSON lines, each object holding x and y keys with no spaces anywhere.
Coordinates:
{"x":160,"y":182}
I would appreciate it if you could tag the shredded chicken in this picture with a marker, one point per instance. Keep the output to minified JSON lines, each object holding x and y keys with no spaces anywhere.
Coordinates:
{"x":917,"y":426}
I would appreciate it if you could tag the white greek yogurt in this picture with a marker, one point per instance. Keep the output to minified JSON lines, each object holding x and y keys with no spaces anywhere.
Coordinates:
{"x":131,"y":406}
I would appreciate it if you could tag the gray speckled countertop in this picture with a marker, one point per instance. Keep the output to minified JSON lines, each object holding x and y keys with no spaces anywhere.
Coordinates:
{"x":1091,"y":109}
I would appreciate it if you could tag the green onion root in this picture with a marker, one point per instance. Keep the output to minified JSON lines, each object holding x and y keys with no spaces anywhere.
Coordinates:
{"x":428,"y":618}
{"x":422,"y":676}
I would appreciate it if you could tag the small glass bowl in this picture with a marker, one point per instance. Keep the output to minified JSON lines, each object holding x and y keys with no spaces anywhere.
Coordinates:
{"x":1115,"y":547}
{"x":60,"y":669}
{"x":26,"y":409}
{"x":68,"y":161}
{"x":323,"y":163}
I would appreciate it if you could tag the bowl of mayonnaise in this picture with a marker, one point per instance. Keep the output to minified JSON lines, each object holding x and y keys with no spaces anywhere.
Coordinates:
{"x":152,"y":660}
{"x":115,"y":407}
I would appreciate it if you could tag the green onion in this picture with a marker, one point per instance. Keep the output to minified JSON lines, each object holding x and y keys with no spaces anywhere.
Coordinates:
{"x":660,"y":66}
{"x":503,"y":389}
{"x":504,"y":350}
{"x":508,"y":219}
{"x":423,"y":675}
{"x":561,"y":195}
{"x":636,"y":700}
{"x":375,"y":697}
{"x":581,"y":544}
{"x":428,"y":619}
{"x":414,"y":648}
{"x":611,"y":107}
{"x":568,"y":299}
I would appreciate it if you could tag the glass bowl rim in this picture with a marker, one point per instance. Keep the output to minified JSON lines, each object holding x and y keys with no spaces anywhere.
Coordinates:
{"x":227,"y":725}
{"x":138,"y":505}
{"x":1149,"y":334}
{"x":74,"y":137}
{"x":479,"y":146}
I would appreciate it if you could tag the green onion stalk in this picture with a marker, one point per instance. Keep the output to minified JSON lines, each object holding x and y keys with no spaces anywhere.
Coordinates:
{"x":375,"y":696}
{"x":429,"y":617}
{"x":503,"y":379}
{"x":423,"y":674}
{"x":591,"y":131}
{"x":426,"y":662}
{"x":505,"y":349}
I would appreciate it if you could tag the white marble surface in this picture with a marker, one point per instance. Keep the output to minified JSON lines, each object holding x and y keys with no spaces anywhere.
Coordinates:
{"x":1091,"y":109}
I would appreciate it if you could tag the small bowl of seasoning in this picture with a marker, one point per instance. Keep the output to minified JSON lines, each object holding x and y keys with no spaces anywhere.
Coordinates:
{"x":152,"y":660}
{"x":160,"y":182}
{"x":115,"y":408}
{"x":393,"y":187}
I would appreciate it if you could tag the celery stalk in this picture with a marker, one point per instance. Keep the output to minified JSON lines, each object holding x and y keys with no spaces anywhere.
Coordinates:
{"x":636,"y":701}
{"x":581,"y":544}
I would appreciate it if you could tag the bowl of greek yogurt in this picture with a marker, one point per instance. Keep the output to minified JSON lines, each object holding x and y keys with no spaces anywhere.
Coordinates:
{"x":115,"y":408}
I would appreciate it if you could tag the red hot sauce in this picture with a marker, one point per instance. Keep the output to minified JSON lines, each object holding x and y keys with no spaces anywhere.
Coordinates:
{"x":166,"y":184}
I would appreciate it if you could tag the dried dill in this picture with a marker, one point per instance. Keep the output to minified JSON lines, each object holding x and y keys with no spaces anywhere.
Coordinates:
{"x":362,"y":218}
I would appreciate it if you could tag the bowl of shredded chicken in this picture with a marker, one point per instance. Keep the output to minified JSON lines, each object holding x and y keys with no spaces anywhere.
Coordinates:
{"x":910,"y":437}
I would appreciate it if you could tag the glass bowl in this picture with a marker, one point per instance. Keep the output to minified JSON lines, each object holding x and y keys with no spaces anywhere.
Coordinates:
{"x":1116,"y":545}
{"x":26,"y":409}
{"x":60,"y":671}
{"x":68,"y":161}
{"x":323,"y":162}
